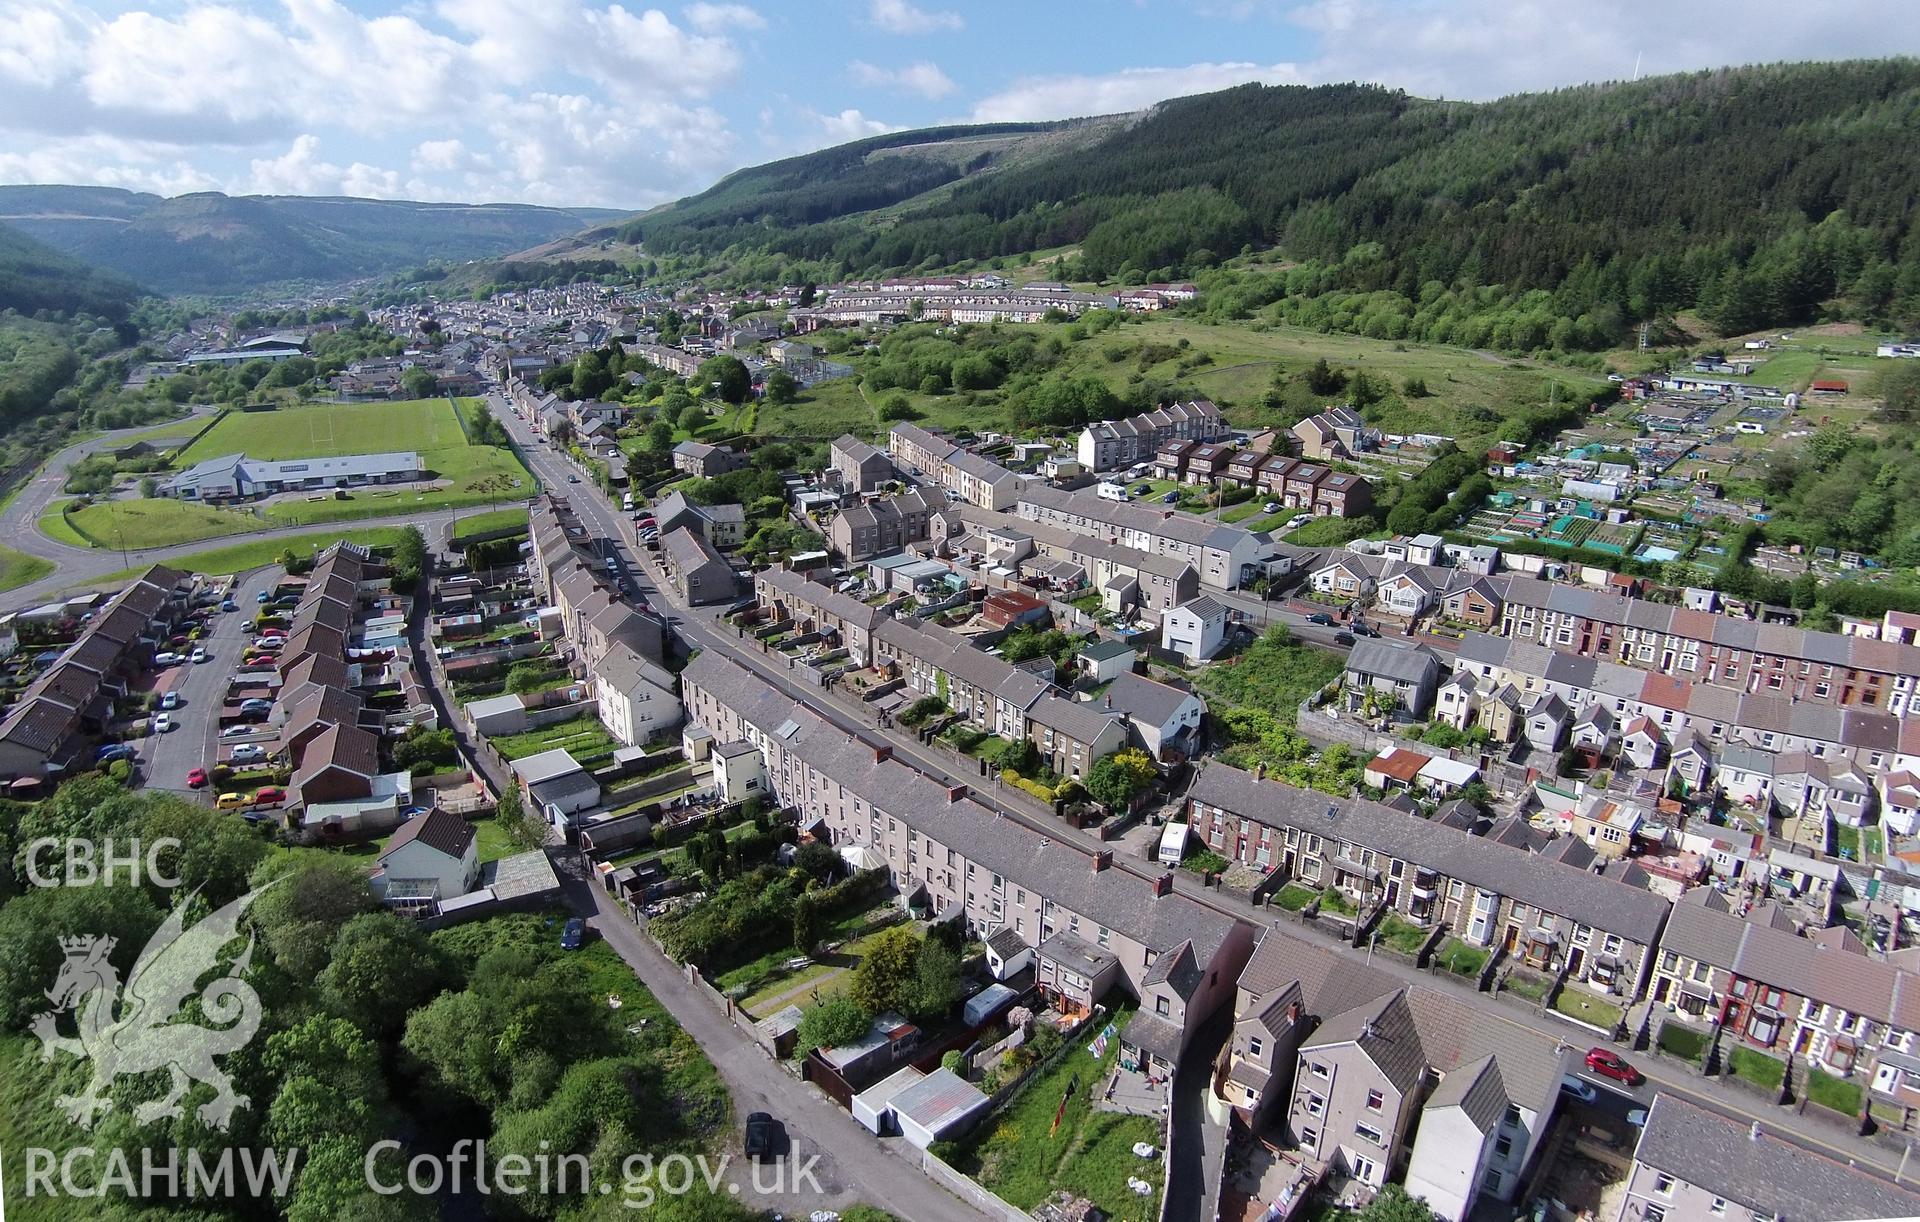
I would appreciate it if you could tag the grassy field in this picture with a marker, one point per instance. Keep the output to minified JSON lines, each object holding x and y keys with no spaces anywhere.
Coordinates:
{"x":324,"y":430}
{"x":156,"y":522}
{"x":474,"y":475}
{"x":1022,"y":1156}
{"x":486,"y":522}
{"x":239,"y":557}
{"x":18,"y":569}
{"x":54,"y":525}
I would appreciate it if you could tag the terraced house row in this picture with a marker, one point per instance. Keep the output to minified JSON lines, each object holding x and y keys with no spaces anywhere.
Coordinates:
{"x":1089,"y":924}
{"x":1762,"y":747}
{"x":1541,"y":903}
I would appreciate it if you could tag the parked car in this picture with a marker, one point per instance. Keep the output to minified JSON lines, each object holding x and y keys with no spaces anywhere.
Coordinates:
{"x":1298,"y":520}
{"x":198,"y":655}
{"x":762,"y":1133}
{"x":197,"y":778}
{"x":1143,"y":489}
{"x":230,"y":801}
{"x":1321,"y":618}
{"x":227,"y":604}
{"x":248,"y":753}
{"x":269,"y":644}
{"x":256,"y":702}
{"x":262,"y":596}
{"x":237,"y":732}
{"x":273,"y":634}
{"x":269,"y":796}
{"x":573,"y":935}
{"x":1270,"y":507}
{"x":1343,"y":639}
{"x":1362,"y":628}
{"x":1583,"y":1091}
{"x":166,"y":658}
{"x":163,"y":723}
{"x":113,"y":751}
{"x":1170,"y":497}
{"x":170,"y":700}
{"x":1609,"y":1064}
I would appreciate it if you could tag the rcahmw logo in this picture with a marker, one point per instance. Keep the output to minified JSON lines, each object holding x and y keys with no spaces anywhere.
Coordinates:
{"x":152,"y":1175}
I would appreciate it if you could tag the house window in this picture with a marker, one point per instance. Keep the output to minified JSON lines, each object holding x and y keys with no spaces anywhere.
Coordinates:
{"x":1503,"y":1147}
{"x":1316,"y":1069}
{"x":1309,"y":1138}
{"x":1718,"y":1207}
{"x":1253,"y":1046}
{"x":1663,"y":1184}
{"x":1367,"y":1132}
{"x":1315,"y":1105}
{"x":1161,"y":1007}
{"x":1375,"y":1101}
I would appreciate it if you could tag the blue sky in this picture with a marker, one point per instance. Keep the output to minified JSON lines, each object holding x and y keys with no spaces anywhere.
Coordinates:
{"x":622,"y":105}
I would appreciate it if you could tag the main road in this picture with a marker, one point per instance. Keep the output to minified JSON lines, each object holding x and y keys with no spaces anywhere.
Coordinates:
{"x":702,"y":627}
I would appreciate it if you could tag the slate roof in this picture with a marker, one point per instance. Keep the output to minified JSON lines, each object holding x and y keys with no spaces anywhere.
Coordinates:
{"x":1384,"y":1030}
{"x":1526,"y":877}
{"x":1769,"y":1175}
{"x":1475,"y":1088}
{"x":1145,"y":700}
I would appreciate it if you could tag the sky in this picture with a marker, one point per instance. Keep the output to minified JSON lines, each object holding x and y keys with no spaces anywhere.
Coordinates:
{"x":572,"y":102}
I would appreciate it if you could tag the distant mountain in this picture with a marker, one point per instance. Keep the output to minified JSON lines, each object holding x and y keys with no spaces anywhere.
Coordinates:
{"x":1750,"y":194}
{"x":213,"y":243}
{"x":35,"y":277}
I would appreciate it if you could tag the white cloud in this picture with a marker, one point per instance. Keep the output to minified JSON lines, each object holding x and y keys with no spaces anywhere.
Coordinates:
{"x":721,"y":18}
{"x":1067,"y":97}
{"x":901,"y":17}
{"x":848,"y":125}
{"x":923,"y":78}
{"x":104,"y":161}
{"x":301,"y":171}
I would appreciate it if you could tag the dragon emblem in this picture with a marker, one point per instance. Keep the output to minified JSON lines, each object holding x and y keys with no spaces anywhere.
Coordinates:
{"x":136,"y":1033}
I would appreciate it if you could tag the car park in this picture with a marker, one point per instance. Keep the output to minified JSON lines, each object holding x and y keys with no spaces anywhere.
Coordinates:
{"x":1610,"y":1064}
{"x":197,"y":778}
{"x":163,"y":723}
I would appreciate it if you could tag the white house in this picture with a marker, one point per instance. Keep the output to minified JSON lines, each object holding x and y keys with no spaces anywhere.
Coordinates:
{"x":739,"y":772}
{"x":1160,"y":717}
{"x":636,"y":697}
{"x":1195,"y":629}
{"x":432,"y":858}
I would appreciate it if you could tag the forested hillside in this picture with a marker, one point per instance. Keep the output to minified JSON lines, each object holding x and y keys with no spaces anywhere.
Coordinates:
{"x":213,"y":243}
{"x":35,"y":278}
{"x":1749,"y":195}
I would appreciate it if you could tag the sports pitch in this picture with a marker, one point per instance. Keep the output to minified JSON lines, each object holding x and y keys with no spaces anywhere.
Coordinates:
{"x":324,"y":430}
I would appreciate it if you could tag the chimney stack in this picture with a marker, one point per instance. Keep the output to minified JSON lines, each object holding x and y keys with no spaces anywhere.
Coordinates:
{"x":1163,"y":885}
{"x":882,"y":752}
{"x":955,"y":793}
{"x":1293,"y":1012}
{"x":1102,"y":860}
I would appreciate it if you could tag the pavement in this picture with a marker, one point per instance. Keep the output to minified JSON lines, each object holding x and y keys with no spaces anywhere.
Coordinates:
{"x":701,"y":627}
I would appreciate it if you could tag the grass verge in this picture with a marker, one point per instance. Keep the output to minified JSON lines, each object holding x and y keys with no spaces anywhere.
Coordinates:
{"x":18,"y":569}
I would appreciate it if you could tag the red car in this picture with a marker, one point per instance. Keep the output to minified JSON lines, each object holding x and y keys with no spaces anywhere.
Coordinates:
{"x":197,"y":779}
{"x":1609,"y":1065}
{"x":270,"y":796}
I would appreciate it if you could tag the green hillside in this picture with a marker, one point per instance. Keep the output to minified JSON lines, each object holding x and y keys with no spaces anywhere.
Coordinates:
{"x":34,"y":277}
{"x":1749,"y":195}
{"x":213,"y":243}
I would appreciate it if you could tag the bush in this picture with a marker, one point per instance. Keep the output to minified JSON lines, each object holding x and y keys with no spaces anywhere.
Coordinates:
{"x":837,"y":1020}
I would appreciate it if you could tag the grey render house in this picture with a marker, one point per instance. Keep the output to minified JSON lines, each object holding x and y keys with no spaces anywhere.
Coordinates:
{"x":862,"y":467}
{"x":1693,"y":1165}
{"x":1411,"y":674}
{"x":701,"y":574}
